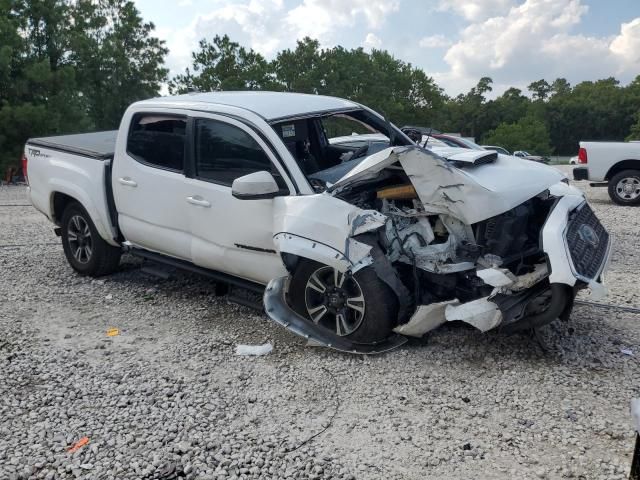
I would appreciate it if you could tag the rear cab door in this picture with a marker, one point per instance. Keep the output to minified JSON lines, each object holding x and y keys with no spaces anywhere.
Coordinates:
{"x":148,"y":181}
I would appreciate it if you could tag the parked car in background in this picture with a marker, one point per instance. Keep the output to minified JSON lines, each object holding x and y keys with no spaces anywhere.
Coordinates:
{"x":528,"y":156}
{"x":615,"y":165}
{"x":501,"y":150}
{"x":352,"y":248}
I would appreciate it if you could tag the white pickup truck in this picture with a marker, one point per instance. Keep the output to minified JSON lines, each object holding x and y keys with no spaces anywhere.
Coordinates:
{"x":615,"y":165}
{"x":359,"y":243}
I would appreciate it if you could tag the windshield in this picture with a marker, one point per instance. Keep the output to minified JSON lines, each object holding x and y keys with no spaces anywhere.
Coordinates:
{"x":328,"y":146}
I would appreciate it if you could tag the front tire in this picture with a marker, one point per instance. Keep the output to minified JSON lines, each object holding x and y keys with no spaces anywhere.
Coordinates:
{"x":624,"y":187}
{"x":360,"y":307}
{"x":85,"y":250}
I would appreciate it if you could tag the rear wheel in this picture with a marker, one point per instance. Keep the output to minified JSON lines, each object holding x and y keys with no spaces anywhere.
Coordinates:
{"x":85,"y":250}
{"x":360,"y":307}
{"x":624,"y":187}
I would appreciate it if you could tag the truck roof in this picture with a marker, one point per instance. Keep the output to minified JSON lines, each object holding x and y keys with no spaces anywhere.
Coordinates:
{"x":269,"y":105}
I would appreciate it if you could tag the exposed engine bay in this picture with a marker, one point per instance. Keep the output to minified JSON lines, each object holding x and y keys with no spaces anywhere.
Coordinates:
{"x":441,"y":259}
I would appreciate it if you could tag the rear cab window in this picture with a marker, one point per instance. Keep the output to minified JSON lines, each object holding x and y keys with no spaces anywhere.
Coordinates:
{"x":158,"y":140}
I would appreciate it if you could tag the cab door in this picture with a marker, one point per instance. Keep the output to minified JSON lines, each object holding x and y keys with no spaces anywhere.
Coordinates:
{"x":148,"y":182}
{"x":228,"y":234}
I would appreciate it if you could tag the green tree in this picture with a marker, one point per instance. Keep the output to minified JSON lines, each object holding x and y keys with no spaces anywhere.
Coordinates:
{"x":540,"y":89}
{"x":560,"y":86}
{"x":117,"y":58}
{"x":467,"y":113}
{"x":634,"y":133}
{"x":70,"y":66}
{"x":223,"y":65}
{"x":528,"y":133}
{"x":38,"y":87}
{"x":302,"y":69}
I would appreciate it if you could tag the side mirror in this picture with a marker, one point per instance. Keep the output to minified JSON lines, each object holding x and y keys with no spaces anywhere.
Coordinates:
{"x":255,"y":186}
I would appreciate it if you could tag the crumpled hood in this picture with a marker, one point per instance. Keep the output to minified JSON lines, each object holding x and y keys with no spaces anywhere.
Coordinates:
{"x":470,"y":194}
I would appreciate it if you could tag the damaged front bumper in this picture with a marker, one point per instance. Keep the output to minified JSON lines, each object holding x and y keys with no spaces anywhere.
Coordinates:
{"x":278,"y":310}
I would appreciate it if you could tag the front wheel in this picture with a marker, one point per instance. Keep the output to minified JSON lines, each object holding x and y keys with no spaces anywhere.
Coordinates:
{"x":360,"y":307}
{"x":85,"y":250}
{"x":624,"y":187}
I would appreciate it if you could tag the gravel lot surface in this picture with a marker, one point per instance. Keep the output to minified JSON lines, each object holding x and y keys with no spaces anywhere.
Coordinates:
{"x":168,"y":397}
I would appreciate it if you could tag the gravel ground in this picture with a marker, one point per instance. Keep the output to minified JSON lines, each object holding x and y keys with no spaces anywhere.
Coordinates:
{"x":168,"y":397}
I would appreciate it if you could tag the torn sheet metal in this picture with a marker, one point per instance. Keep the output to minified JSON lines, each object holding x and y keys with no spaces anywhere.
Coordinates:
{"x":471,"y":194}
{"x":481,"y":313}
{"x":425,"y":319}
{"x":277,"y":309}
{"x":321,"y":227}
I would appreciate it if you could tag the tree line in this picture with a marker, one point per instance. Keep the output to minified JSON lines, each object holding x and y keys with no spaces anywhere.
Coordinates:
{"x":71,"y":66}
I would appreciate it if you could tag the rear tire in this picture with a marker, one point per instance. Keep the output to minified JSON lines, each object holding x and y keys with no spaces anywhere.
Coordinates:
{"x":363,"y":309}
{"x":85,"y":250}
{"x":624,"y":187}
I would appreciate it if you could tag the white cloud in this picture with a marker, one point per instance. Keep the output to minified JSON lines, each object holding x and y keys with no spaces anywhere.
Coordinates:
{"x":627,"y":44}
{"x":319,"y":18}
{"x":267,"y":26}
{"x":535,"y":40}
{"x":475,"y":10}
{"x":512,"y":41}
{"x":372,"y":41}
{"x":435,"y":41}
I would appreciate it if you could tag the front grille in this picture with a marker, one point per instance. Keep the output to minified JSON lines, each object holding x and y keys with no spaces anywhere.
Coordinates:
{"x":588,"y":242}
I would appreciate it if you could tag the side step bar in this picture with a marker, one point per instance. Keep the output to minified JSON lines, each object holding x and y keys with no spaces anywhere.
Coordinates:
{"x":190,"y":267}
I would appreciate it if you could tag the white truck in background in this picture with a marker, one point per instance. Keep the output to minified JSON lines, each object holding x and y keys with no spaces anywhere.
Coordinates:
{"x":615,"y":165}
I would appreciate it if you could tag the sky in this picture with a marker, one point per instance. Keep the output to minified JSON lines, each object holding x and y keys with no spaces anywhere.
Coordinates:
{"x":455,"y":41}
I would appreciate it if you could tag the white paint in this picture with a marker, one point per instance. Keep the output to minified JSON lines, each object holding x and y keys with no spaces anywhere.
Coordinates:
{"x":268,"y":105}
{"x":496,"y":277}
{"x":257,"y":183}
{"x":425,"y":319}
{"x":82,"y":179}
{"x":481,"y":313}
{"x":471,"y":194}
{"x":602,"y":156}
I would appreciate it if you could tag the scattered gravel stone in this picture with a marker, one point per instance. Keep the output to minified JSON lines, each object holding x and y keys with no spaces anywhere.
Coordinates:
{"x":168,"y":398}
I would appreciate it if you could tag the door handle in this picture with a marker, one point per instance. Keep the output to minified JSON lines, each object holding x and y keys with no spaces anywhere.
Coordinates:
{"x":128,"y":182}
{"x":199,"y":201}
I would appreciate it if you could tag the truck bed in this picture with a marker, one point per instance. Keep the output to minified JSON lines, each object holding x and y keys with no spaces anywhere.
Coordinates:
{"x":96,"y":145}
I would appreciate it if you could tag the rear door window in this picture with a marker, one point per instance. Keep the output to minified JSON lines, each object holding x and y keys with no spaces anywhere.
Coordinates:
{"x":158,"y":140}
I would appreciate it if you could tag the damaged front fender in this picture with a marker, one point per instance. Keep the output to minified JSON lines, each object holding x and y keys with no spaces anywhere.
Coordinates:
{"x":322,"y":228}
{"x":279,"y":311}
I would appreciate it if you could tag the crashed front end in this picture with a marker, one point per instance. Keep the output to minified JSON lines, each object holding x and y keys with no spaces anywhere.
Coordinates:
{"x":476,"y":238}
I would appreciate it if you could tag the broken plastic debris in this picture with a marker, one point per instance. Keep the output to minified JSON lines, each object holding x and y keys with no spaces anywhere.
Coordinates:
{"x":481,"y":313}
{"x":78,"y":445}
{"x":112,"y":332}
{"x":495,"y":277}
{"x":426,"y":318}
{"x":626,"y":351}
{"x":255,"y":350}
{"x":108,"y":297}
